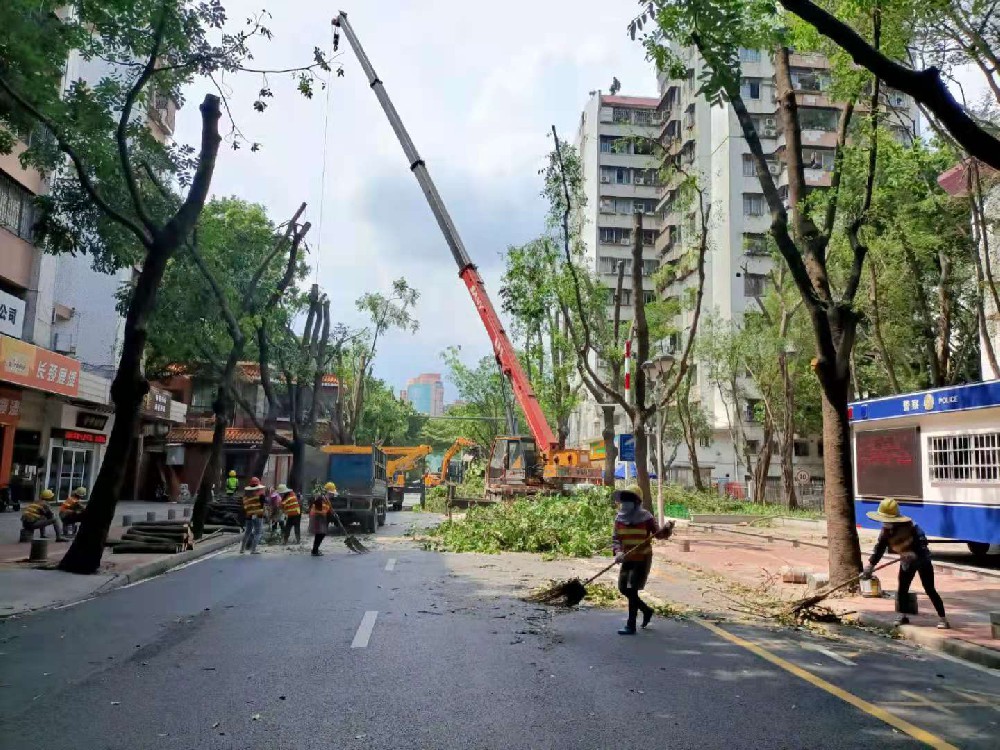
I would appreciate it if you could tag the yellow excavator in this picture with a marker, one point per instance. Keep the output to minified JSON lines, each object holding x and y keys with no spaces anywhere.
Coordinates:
{"x":401,"y":460}
{"x":433,"y":480}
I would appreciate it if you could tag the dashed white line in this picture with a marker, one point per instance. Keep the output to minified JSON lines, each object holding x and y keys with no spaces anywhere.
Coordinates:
{"x":365,"y":629}
{"x":391,"y":564}
{"x":827,"y":652}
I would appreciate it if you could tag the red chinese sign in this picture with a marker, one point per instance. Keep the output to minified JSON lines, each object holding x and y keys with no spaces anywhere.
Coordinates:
{"x":887,"y":462}
{"x":41,"y":369}
{"x":77,"y":436}
{"x":10,"y":406}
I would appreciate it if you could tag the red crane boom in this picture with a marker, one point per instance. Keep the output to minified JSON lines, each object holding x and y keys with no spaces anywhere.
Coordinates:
{"x":502,"y":348}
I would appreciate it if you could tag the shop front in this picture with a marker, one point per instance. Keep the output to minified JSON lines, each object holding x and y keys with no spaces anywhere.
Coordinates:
{"x":10,"y":415}
{"x":76,"y":448}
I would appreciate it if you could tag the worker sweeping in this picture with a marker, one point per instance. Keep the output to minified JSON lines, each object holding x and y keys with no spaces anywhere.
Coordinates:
{"x":903,"y":537}
{"x":292,"y":509}
{"x":38,"y":515}
{"x":71,"y":511}
{"x":633,"y":532}
{"x":232,"y":483}
{"x":320,"y":511}
{"x":253,"y":509}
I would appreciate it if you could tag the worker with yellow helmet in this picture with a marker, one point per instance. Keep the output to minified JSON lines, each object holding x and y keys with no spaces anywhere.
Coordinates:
{"x":71,"y":511}
{"x":320,"y":511}
{"x":232,"y":483}
{"x":38,"y":515}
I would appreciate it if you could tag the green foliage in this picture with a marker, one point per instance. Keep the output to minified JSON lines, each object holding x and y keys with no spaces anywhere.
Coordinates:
{"x":681,"y":502}
{"x":555,"y":525}
{"x":385,"y":420}
{"x":484,"y":392}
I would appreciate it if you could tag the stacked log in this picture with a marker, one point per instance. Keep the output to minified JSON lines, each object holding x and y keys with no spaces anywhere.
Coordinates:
{"x":226,"y":510}
{"x":162,"y":537}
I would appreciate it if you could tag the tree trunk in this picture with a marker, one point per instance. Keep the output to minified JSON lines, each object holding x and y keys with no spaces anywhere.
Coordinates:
{"x":690,"y":439}
{"x":213,"y":472}
{"x":763,"y":466}
{"x":838,"y":496}
{"x":788,"y":492}
{"x":641,"y":441}
{"x":610,"y":450}
{"x":130,"y":386}
{"x":297,"y":472}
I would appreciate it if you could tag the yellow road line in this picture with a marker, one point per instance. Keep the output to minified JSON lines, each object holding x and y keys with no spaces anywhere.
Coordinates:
{"x":869,"y":708}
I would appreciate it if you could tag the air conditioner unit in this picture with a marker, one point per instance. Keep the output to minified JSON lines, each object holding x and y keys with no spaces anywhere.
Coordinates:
{"x":64,"y":343}
{"x":605,"y":179}
{"x":626,"y":240}
{"x":769,"y":122}
{"x":774,"y":168}
{"x":770,"y":132}
{"x":640,"y":179}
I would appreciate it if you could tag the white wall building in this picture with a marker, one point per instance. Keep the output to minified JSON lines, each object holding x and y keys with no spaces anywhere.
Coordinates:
{"x":708,"y":142}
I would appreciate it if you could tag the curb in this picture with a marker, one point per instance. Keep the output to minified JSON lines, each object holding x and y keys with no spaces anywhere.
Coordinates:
{"x":981,"y":655}
{"x":155,"y":568}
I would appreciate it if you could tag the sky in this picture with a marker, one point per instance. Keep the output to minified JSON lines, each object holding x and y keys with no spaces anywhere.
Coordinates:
{"x":477,"y":85}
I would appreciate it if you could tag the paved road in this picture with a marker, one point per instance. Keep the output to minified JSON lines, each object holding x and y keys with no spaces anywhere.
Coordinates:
{"x":402,"y":649}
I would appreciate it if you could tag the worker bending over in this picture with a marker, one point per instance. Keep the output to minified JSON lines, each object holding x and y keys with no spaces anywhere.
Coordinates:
{"x":632,"y":543}
{"x":71,"y":511}
{"x":900,"y":535}
{"x":293,"y":513}
{"x":253,"y":509}
{"x":38,"y":515}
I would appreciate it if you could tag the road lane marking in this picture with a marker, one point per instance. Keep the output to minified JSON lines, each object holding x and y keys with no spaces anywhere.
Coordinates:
{"x":871,"y":709}
{"x":391,"y":564}
{"x":365,"y":629}
{"x":827,"y":652}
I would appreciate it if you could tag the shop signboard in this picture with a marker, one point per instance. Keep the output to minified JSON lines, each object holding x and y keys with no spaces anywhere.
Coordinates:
{"x":33,"y":367}
{"x":89,"y":421}
{"x":11,"y":315}
{"x":79,"y":436}
{"x":156,"y":404}
{"x":10,"y":406}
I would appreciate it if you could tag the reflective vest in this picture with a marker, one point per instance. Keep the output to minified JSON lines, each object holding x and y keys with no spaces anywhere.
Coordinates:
{"x":324,"y":508}
{"x":232,"y":484}
{"x":290,"y":505}
{"x":36,"y":512}
{"x":630,"y":536}
{"x":72,"y":505}
{"x":252,"y":506}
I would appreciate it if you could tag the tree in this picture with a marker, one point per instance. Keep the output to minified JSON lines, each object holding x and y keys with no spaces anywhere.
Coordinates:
{"x":484,"y":395}
{"x":718,"y":29}
{"x":354,"y":363}
{"x":386,"y":420}
{"x":109,"y":201}
{"x":970,"y":29}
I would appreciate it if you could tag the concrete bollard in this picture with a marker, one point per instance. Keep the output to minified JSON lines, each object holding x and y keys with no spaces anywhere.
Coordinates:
{"x":187,"y":512}
{"x":686,"y":545}
{"x":995,"y":624}
{"x":26,"y":535}
{"x":39,"y":550}
{"x":171,"y":514}
{"x":769,"y":539}
{"x":126,"y":521}
{"x":151,"y":515}
{"x":793,"y":575}
{"x":816,"y":581}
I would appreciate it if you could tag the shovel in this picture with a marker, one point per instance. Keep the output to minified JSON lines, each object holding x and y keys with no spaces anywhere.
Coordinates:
{"x":811,"y":601}
{"x":352,"y":542}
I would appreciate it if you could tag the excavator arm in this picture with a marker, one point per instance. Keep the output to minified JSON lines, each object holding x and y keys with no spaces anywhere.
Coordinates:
{"x":503,"y":350}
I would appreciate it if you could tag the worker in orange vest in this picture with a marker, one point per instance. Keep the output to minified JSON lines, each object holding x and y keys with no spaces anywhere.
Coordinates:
{"x":320,"y":511}
{"x":38,"y":515}
{"x":71,"y":511}
{"x":253,"y":509}
{"x":293,"y":513}
{"x":632,"y":543}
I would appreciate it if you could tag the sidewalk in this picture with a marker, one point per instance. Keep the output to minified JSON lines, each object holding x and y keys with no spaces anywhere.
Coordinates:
{"x":754,"y":561}
{"x":28,"y":587}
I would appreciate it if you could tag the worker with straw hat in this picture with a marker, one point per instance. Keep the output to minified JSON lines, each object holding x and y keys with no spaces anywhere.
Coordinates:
{"x":253,"y":509}
{"x":903,"y":537}
{"x":632,"y":544}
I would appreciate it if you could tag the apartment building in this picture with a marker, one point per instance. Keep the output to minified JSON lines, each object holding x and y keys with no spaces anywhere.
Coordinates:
{"x":707,"y":142}
{"x":426,"y":393}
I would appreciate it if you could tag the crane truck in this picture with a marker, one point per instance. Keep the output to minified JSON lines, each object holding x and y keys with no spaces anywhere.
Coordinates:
{"x":402,"y":459}
{"x":433,"y":480}
{"x":519,"y":464}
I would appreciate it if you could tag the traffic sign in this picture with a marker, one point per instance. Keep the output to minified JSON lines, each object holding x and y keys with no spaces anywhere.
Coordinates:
{"x":802,"y":477}
{"x":626,"y":447}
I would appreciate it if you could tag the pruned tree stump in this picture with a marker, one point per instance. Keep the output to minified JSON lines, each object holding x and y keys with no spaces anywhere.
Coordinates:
{"x":126,"y":521}
{"x":686,"y":545}
{"x":39,"y":550}
{"x":795,"y":542}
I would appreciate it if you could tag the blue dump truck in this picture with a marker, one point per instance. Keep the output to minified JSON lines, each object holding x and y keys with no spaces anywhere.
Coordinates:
{"x":359,"y":473}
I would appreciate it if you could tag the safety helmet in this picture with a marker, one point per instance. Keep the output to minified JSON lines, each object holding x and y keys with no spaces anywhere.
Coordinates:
{"x":232,"y":473}
{"x":80,"y":491}
{"x":329,"y":487}
{"x":46,"y":495}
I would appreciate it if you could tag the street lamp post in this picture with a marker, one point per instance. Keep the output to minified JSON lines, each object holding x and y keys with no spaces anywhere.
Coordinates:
{"x":655,"y":369}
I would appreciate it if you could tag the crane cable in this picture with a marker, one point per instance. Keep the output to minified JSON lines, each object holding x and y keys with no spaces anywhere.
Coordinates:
{"x":322,"y":178}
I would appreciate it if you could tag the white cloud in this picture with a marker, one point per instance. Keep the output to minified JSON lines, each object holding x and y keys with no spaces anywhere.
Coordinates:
{"x":478,"y":87}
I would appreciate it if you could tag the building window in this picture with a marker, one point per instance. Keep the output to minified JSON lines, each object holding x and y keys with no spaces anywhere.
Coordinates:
{"x":751,"y":410}
{"x":649,"y":297}
{"x":755,"y":244}
{"x":753,"y":447}
{"x":649,"y":267}
{"x":625,"y":206}
{"x":818,"y":158}
{"x":705,"y":442}
{"x":749,"y":55}
{"x":819,"y":448}
{"x":642,"y":147}
{"x":644,"y":206}
{"x":749,"y":166}
{"x":754,"y":284}
{"x":801,"y":448}
{"x":621,"y":115}
{"x":648,"y":236}
{"x":623,"y":176}
{"x":607,"y":205}
{"x":607,"y":264}
{"x":626,"y":297}
{"x":615,"y":236}
{"x":750,"y":88}
{"x":813,"y":118}
{"x":17,"y":208}
{"x":753,"y":204}
{"x":965,"y":458}
{"x":810,"y":80}
{"x":643,"y":117}
{"x":608,"y":174}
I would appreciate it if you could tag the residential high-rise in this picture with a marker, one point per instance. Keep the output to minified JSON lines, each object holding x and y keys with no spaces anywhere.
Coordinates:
{"x":426,"y":393}
{"x":707,"y":142}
